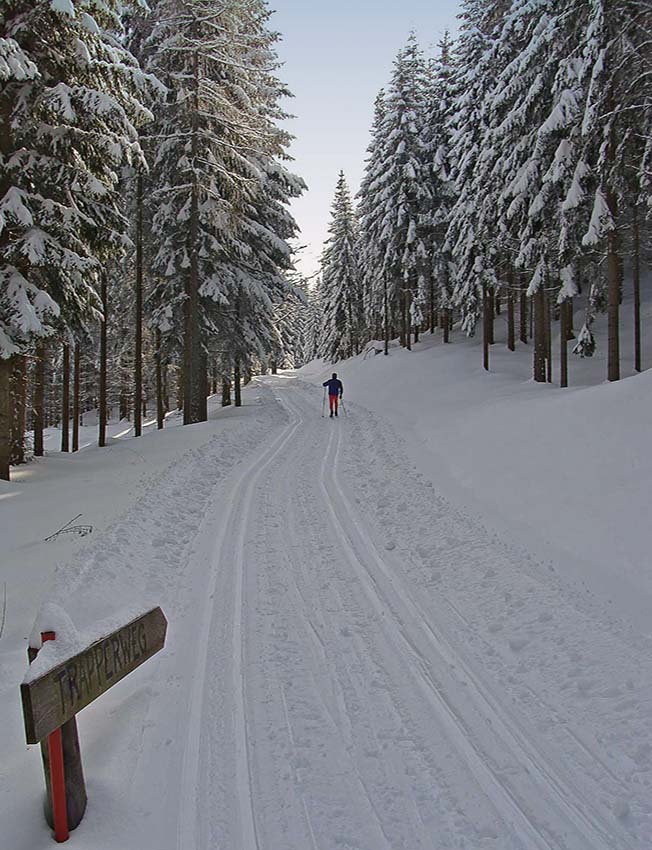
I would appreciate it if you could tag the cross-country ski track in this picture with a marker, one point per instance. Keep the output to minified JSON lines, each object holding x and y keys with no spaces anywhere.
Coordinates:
{"x":356,"y":664}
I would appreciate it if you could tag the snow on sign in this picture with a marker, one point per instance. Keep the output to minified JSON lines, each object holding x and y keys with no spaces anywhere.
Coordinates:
{"x":56,"y":696}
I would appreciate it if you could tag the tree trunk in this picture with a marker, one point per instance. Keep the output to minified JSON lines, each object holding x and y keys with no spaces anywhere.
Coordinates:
{"x":447,"y":325}
{"x":39,"y":399}
{"x":401,"y":307}
{"x":75,"y":398}
{"x":19,"y":409}
{"x":491,"y":312}
{"x":349,"y":310}
{"x":180,"y":392}
{"x":569,"y":319}
{"x":202,"y":401}
{"x":166,"y":386}
{"x":636,"y":271}
{"x":511,"y":324}
{"x":103,"y":356}
{"x":190,"y":317}
{"x":226,"y":392}
{"x":613,"y":298}
{"x":194,"y":377}
{"x":563,"y":344}
{"x":138,"y":354}
{"x":407,"y":303}
{"x":65,"y":401}
{"x":160,"y":409}
{"x":523,"y":311}
{"x":539,"y":336}
{"x":548,"y":309}
{"x":386,"y":309}
{"x":485,"y":328}
{"x":237,"y":389}
{"x":6,"y":369}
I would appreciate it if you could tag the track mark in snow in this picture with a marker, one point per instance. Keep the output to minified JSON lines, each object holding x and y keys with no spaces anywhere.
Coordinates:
{"x":502,"y":795}
{"x":187,"y":830}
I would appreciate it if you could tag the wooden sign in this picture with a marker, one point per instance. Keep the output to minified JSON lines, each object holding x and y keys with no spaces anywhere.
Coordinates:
{"x":56,"y":696}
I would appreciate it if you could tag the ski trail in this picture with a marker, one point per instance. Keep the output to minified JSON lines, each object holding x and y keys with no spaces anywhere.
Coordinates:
{"x":503,"y":801}
{"x":500,"y":794}
{"x":249,"y":837}
{"x":188,"y":820}
{"x":335,"y":701}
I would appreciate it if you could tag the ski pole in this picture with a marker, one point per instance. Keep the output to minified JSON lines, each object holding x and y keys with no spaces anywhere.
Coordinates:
{"x":323,"y":404}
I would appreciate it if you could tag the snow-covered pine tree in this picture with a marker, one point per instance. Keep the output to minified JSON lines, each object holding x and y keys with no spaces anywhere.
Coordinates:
{"x":340,"y":281}
{"x":437,"y":171}
{"x":473,"y":270}
{"x":72,"y":98}
{"x":258,"y":275}
{"x":369,"y":214}
{"x":291,"y":321}
{"x":403,"y":192}
{"x":312,"y":328}
{"x":617,"y":69}
{"x":531,"y":114}
{"x":220,"y":188}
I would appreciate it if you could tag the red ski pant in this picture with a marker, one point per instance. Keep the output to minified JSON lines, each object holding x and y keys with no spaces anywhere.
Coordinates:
{"x":333,"y":402}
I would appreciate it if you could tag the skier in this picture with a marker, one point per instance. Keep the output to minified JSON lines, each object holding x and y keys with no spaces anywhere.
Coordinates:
{"x":335,"y":390}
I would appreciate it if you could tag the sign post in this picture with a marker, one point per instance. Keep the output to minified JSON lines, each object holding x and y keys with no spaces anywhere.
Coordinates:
{"x":52,"y":700}
{"x":57,"y":775}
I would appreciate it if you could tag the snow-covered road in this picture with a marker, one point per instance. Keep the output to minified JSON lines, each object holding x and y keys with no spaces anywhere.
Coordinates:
{"x":355,"y":664}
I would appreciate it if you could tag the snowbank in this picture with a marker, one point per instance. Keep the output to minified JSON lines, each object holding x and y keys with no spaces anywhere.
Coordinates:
{"x":566,"y":472}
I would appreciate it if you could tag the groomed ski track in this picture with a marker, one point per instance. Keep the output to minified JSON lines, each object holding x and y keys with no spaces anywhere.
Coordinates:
{"x":340,"y":676}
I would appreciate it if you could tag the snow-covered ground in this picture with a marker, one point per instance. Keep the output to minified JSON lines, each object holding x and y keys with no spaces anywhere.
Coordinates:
{"x":423,"y":626}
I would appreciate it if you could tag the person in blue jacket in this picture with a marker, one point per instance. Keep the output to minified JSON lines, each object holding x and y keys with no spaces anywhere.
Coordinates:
{"x":335,"y":390}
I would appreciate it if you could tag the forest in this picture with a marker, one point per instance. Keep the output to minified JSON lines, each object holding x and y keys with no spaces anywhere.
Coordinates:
{"x":146,"y":241}
{"x":511,"y":174}
{"x":144,"y":223}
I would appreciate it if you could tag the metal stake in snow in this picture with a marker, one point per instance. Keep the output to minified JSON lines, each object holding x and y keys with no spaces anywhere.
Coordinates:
{"x":51,"y":702}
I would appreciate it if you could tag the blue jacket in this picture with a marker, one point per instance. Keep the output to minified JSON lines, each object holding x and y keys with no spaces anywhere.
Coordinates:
{"x":334,"y":387}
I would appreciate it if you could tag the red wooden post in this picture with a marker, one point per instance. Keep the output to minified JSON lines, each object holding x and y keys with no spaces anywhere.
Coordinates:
{"x":57,"y":776}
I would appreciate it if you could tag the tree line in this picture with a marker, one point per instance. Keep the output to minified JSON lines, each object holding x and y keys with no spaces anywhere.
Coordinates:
{"x":511,"y":173}
{"x":144,"y":222}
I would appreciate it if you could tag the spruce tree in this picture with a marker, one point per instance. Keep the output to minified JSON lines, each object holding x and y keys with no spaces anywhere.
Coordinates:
{"x":340,"y":282}
{"x":71,"y":101}
{"x":405,"y":193}
{"x":369,"y":213}
{"x":220,"y":187}
{"x":437,"y":171}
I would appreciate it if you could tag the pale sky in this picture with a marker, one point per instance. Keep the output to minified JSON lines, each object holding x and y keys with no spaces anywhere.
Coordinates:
{"x":337,"y":55}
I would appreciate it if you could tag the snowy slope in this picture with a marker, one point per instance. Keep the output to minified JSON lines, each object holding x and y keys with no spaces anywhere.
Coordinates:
{"x":384,"y":633}
{"x":565,"y":472}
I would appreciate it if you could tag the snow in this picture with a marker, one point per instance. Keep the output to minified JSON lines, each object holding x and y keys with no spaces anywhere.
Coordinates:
{"x":422,"y":625}
{"x":601,"y":221}
{"x":66,"y":7}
